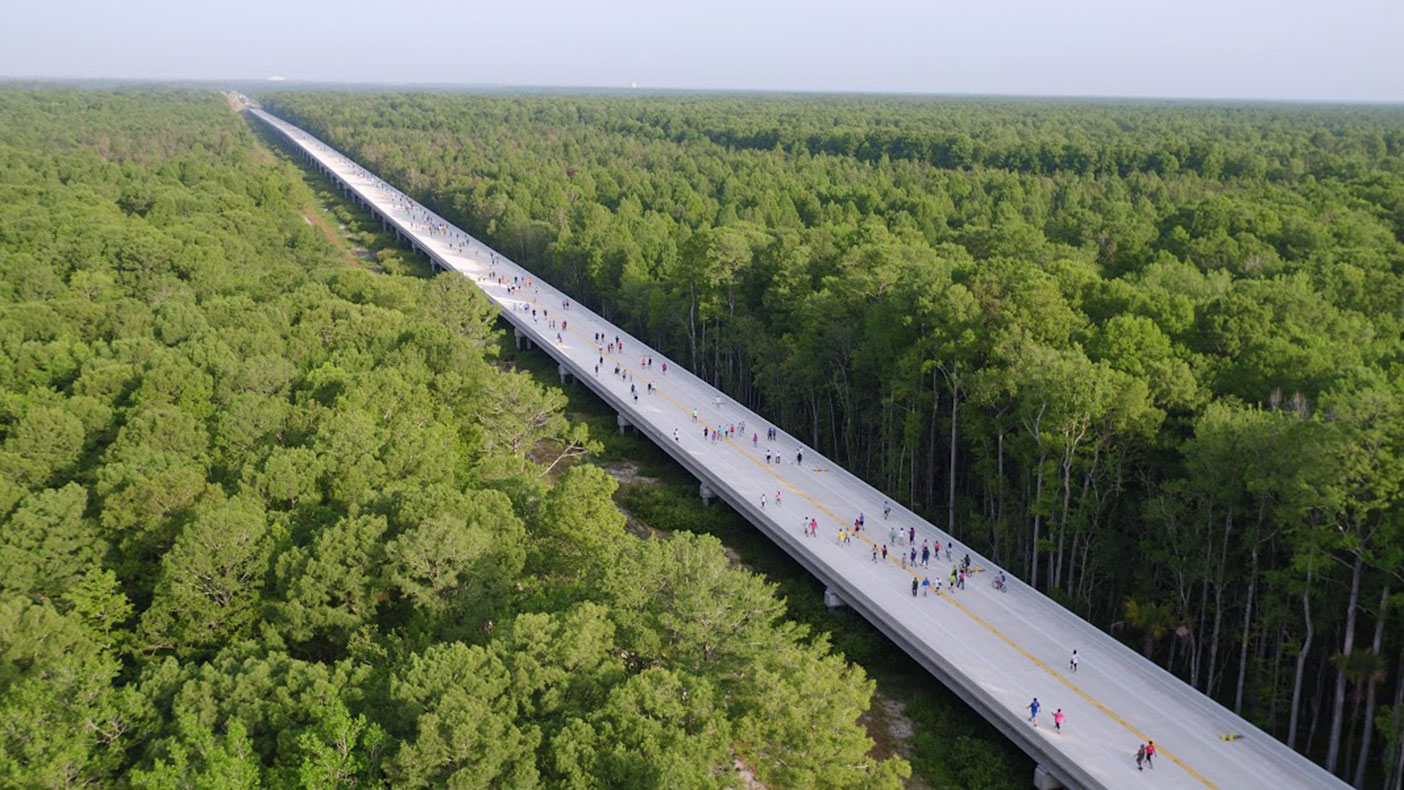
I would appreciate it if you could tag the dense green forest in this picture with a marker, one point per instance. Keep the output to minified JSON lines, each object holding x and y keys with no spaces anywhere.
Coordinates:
{"x":1146,"y":354}
{"x":271,"y":520}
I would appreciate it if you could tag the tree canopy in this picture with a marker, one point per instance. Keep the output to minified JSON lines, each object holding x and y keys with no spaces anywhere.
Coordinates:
{"x":269,"y":520}
{"x":1146,"y":354}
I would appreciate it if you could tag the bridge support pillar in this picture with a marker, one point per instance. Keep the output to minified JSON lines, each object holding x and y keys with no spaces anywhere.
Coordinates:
{"x":707,"y":494}
{"x":1043,"y":780}
{"x":565,"y":374}
{"x":832,"y":599}
{"x":623,"y":423}
{"x":523,"y":340}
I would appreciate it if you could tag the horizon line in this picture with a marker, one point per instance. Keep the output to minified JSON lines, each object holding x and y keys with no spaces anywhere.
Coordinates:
{"x":285,"y":82}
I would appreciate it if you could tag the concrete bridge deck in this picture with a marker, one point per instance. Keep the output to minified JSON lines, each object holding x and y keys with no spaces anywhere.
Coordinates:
{"x":998,"y":650}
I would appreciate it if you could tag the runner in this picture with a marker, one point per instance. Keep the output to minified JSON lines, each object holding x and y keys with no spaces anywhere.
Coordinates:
{"x":914,"y":587}
{"x":1150,"y":753}
{"x":886,"y":509}
{"x":1072,"y":662}
{"x":1058,"y":720}
{"x":1033,"y":711}
{"x":1140,"y":757}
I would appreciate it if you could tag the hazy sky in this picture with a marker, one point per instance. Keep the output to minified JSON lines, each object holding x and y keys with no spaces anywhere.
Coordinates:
{"x":1273,"y":49}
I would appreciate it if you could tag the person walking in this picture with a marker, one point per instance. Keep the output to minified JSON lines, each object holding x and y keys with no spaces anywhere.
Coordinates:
{"x":925,"y":586}
{"x":1141,"y":757}
{"x":799,"y":458}
{"x":762,"y":501}
{"x":777,"y":498}
{"x":914,"y":587}
{"x":884,"y":551}
{"x":1058,"y":720}
{"x":1072,"y":662}
{"x":1150,"y":753}
{"x":1033,"y":711}
{"x":886,"y":509}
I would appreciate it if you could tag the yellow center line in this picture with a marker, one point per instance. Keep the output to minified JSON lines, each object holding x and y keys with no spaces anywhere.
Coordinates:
{"x":1078,"y":690}
{"x":981,"y":621}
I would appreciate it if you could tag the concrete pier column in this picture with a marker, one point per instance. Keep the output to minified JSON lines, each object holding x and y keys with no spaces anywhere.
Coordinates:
{"x":1043,"y":780}
{"x":522,"y":339}
{"x":623,"y":422}
{"x":564,"y":372}
{"x":706,"y":493}
{"x":832,"y":599}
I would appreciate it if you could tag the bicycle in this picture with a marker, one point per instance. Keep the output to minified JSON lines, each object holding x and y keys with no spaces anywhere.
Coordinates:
{"x":999,"y":585}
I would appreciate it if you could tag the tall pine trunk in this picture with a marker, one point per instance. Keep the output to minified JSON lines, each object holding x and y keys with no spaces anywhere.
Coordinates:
{"x":1333,"y":746}
{"x":1370,"y":691}
{"x":950,"y":497}
{"x":1301,"y":665}
{"x":1243,"y":650}
{"x":1038,"y":513}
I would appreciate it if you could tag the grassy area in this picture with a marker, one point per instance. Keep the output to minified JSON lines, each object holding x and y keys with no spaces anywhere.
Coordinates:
{"x":350,"y":227}
{"x":948,"y":744}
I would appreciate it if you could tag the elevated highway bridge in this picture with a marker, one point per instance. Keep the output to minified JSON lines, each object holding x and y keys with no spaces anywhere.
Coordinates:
{"x":997,"y":650}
